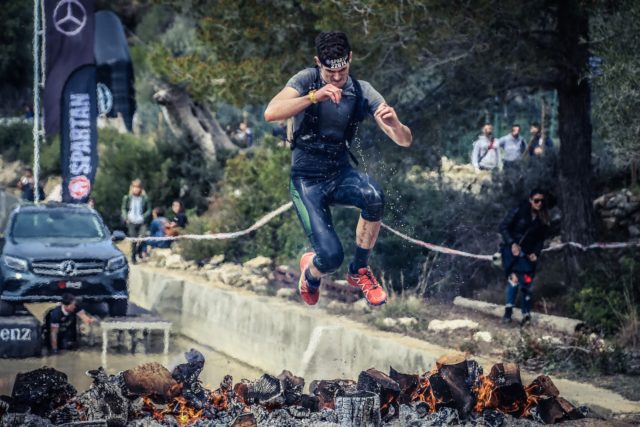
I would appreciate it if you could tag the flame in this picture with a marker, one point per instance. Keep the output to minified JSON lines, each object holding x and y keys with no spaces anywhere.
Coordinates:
{"x":424,"y":393}
{"x":220,"y":399}
{"x":485,"y":398}
{"x":179,"y":408}
{"x":532,"y":400}
{"x":186,"y":414}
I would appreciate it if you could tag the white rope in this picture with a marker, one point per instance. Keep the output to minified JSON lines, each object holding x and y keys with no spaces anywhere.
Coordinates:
{"x":435,"y":248}
{"x":219,"y":236}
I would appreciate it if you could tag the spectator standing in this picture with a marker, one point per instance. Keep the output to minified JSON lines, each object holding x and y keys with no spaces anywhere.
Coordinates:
{"x":135,"y":212}
{"x":26,"y":184}
{"x":60,"y":325}
{"x":513,"y":145}
{"x":523,"y":232}
{"x":536,"y":147}
{"x":486,"y":152}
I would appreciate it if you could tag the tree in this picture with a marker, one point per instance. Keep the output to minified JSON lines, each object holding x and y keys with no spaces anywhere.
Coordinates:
{"x":431,"y":58}
{"x":617,"y":74}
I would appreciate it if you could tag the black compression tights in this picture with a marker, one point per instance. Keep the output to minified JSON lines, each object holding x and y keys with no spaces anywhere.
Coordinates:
{"x":312,"y":199}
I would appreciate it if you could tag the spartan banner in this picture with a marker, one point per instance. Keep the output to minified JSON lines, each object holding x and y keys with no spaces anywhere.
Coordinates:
{"x":79,"y":135}
{"x":69,"y":45}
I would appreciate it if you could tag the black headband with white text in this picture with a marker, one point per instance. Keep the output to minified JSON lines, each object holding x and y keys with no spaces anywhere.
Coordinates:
{"x":335,"y":63}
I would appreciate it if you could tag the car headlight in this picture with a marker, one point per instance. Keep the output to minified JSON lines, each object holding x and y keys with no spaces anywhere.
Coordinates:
{"x":14,"y":263}
{"x":116,"y":263}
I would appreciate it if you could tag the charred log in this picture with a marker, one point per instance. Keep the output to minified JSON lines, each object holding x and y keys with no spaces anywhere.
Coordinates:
{"x":384,"y":386}
{"x":328,"y":390}
{"x":542,"y":386}
{"x":509,"y":394}
{"x":153,"y":380}
{"x":408,"y":384}
{"x":103,"y":401}
{"x":293,"y":387}
{"x":455,"y":373}
{"x":41,"y":391}
{"x":360,"y":408}
{"x":556,"y":409}
{"x":187,"y":375}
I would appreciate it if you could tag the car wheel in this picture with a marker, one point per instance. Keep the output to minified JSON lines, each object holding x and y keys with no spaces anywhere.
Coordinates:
{"x":7,"y":308}
{"x":118,"y":308}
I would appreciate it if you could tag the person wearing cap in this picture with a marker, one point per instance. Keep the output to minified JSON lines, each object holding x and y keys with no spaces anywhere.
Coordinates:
{"x":60,"y":325}
{"x":327,"y":105}
{"x":523,"y":232}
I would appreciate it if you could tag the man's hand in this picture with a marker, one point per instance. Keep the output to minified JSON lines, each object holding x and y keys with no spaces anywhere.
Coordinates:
{"x":515,"y":249}
{"x":387,"y":115}
{"x":329,"y":92}
{"x":388,"y":121}
{"x":533,"y":257}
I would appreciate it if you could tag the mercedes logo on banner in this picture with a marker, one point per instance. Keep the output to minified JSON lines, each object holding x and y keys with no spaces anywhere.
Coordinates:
{"x":105,"y":99}
{"x":68,"y":268}
{"x":69,"y":17}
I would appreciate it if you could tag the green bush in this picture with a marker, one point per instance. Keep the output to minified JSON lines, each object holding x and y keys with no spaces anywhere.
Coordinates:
{"x":124,"y":157}
{"x":16,"y":143}
{"x":606,"y":299}
{"x":255,"y":183}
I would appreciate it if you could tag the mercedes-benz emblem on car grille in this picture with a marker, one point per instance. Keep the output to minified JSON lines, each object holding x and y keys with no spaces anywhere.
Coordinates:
{"x":68,"y":268}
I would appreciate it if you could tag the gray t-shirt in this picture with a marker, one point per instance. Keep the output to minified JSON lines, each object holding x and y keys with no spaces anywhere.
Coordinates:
{"x":334,"y":118}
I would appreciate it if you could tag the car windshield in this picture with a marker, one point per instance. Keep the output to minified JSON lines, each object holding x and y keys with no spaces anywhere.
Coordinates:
{"x":57,"y":225}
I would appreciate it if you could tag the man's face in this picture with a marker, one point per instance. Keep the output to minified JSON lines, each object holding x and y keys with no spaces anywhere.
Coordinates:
{"x":336,"y":76}
{"x":487,"y":129}
{"x":70,"y":307}
{"x":534,"y":130}
{"x":515,"y":130}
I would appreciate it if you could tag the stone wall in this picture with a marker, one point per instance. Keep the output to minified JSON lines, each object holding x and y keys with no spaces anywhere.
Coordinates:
{"x":620,"y":210}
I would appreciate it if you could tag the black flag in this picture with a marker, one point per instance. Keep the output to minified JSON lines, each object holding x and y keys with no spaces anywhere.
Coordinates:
{"x":116,"y":93}
{"x":69,"y":45}
{"x":79,"y":135}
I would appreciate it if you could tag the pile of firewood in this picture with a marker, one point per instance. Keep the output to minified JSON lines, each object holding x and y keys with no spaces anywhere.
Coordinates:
{"x":455,"y":391}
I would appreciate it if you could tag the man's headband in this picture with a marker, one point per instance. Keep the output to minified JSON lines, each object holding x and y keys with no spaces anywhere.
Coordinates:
{"x":335,"y":63}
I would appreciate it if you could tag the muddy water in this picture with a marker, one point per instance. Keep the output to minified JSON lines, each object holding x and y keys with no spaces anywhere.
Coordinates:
{"x":119,"y":358}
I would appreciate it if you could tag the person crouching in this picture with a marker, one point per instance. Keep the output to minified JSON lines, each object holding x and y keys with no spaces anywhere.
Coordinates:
{"x":523,"y":231}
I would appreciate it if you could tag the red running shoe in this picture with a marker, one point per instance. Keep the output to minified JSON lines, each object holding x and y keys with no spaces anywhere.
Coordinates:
{"x":309,"y":295}
{"x":371,"y":289}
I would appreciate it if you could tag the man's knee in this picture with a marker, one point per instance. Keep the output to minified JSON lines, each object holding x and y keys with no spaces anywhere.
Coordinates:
{"x":329,"y":261}
{"x":374,"y":202}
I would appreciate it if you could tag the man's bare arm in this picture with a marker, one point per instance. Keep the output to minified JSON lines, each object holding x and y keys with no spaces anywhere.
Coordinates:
{"x":85,"y":317}
{"x":54,"y":337}
{"x":288,"y":102}
{"x":388,"y":121}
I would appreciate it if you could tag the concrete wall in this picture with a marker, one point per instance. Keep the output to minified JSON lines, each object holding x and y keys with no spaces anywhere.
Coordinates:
{"x":272,"y":334}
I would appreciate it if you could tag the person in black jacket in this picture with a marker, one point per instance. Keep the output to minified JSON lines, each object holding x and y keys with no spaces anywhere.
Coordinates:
{"x":523,"y":231}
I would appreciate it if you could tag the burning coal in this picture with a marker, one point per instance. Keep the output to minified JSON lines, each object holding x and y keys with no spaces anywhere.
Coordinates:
{"x":455,"y":391}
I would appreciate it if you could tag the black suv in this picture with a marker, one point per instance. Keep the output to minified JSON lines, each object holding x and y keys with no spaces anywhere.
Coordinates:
{"x":52,"y":249}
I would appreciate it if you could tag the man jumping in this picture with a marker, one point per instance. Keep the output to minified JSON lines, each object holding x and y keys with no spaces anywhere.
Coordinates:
{"x":327,"y":105}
